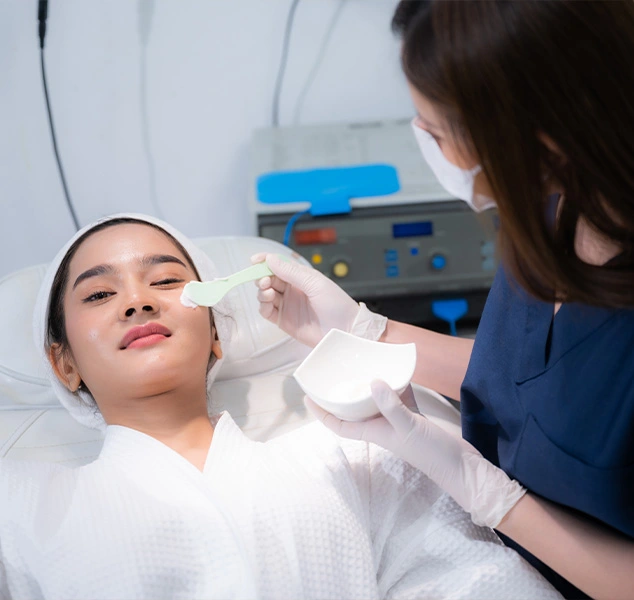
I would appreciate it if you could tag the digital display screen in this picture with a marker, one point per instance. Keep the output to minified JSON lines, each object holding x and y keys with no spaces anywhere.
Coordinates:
{"x":312,"y":237}
{"x":404,"y":230}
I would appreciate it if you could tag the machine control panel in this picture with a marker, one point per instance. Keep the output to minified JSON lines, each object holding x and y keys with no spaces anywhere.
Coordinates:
{"x":397,"y":251}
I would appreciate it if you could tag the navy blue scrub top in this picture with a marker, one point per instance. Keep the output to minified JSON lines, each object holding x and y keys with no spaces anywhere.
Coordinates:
{"x":551,"y":401}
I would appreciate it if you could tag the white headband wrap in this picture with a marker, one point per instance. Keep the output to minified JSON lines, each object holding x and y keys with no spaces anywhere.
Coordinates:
{"x":81,"y":405}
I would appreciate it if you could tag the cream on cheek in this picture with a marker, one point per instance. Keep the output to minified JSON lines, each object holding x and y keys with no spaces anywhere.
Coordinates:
{"x":87,"y":335}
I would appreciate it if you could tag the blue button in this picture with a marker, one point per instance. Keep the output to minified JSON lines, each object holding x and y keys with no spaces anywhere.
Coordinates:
{"x":438,"y":262}
{"x":413,"y":251}
{"x":391,"y":255}
{"x":391,"y":271}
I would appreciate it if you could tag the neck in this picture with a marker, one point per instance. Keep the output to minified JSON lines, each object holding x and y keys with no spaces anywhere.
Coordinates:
{"x":593,"y":247}
{"x":178,"y":420}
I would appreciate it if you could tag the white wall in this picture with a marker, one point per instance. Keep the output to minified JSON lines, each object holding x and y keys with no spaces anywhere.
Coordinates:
{"x":210,"y":68}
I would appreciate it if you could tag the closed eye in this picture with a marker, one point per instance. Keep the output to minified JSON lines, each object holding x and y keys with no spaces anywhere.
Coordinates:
{"x":95,"y":296}
{"x":168,"y":281}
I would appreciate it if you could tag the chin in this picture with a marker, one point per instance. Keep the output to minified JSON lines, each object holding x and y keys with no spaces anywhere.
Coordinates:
{"x":164,"y":377}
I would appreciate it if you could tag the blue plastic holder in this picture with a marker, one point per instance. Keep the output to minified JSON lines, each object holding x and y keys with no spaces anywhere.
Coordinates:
{"x":328,"y":190}
{"x":450,"y":311}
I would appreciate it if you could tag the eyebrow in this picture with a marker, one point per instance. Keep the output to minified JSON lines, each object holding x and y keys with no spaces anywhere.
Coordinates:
{"x":159,"y":259}
{"x":146,"y":262}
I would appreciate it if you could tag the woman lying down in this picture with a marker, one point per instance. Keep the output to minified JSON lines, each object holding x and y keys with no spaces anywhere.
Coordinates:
{"x":182,"y":505}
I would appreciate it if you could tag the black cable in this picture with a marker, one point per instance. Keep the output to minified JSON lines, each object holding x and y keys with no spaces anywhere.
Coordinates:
{"x":42,"y":14}
{"x":318,"y":61}
{"x":282,"y":67}
{"x":59,"y":163}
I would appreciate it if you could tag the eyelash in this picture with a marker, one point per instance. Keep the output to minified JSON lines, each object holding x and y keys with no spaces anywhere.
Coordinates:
{"x":102,"y":295}
{"x":97,"y":296}
{"x":168,"y":281}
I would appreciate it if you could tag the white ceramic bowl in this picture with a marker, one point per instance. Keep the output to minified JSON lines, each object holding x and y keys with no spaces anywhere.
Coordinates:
{"x":337,"y":374}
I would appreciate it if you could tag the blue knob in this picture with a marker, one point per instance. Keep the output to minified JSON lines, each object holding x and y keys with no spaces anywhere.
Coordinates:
{"x":438,"y":262}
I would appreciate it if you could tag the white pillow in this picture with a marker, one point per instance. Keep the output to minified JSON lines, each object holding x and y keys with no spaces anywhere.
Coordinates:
{"x":22,"y":377}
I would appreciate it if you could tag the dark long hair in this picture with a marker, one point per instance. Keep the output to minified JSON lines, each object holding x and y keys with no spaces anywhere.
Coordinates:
{"x":505,"y":74}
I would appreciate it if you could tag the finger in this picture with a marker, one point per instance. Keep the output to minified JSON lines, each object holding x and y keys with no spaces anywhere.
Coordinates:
{"x":408,"y":399}
{"x":258,"y":258}
{"x":316,"y":410}
{"x":268,"y":281}
{"x":354,"y":430}
{"x":267,"y":296}
{"x":289,"y":271}
{"x":275,"y":302}
{"x":263,"y":283}
{"x":271,"y":282}
{"x":268,"y":311}
{"x":278,"y":285}
{"x":329,"y":420}
{"x":390,"y":405}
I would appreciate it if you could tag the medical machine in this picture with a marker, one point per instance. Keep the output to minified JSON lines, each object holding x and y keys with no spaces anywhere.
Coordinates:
{"x":404,"y":253}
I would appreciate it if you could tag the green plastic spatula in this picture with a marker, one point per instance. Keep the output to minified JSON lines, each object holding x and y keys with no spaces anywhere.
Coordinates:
{"x":209,"y":293}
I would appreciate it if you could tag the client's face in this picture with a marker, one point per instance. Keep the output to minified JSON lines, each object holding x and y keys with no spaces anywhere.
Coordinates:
{"x":129,"y":335}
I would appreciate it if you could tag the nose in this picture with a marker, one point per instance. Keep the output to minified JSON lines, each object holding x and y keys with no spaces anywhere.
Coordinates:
{"x":145,"y":308}
{"x":139,"y":303}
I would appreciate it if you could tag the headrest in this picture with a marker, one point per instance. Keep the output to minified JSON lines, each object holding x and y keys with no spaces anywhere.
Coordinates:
{"x":257,"y":346}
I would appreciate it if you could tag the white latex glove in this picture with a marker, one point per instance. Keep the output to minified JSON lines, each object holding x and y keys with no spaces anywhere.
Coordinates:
{"x":477,"y":485}
{"x":306,"y":304}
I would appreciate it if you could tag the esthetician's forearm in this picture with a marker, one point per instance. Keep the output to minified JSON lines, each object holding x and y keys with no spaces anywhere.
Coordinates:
{"x":598,"y":560}
{"x":442,"y":360}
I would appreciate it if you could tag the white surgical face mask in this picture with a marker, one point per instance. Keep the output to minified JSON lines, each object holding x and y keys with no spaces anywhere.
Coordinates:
{"x":455,"y":180}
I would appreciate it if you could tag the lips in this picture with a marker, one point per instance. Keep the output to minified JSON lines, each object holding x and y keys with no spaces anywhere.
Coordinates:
{"x":143,"y":331}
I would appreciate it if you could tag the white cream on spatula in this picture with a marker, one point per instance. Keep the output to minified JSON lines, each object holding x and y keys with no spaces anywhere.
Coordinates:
{"x":186,"y":301}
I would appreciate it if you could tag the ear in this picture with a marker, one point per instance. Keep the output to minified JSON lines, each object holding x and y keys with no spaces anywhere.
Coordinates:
{"x":64,"y":367}
{"x":216,"y":348}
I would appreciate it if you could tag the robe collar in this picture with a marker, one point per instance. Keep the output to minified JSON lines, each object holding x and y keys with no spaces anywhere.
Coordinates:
{"x":135,"y":451}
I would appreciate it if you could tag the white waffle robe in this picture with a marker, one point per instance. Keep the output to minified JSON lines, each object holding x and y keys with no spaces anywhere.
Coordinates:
{"x":306,"y":515}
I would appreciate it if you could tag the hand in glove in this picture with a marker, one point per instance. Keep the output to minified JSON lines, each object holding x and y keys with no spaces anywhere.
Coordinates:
{"x":306,"y":304}
{"x":478,"y":486}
